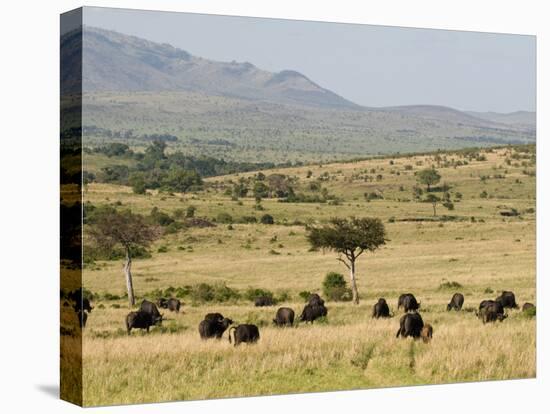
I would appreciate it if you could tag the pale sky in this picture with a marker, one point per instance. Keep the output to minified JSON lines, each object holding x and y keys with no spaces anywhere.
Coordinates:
{"x":369,"y":65}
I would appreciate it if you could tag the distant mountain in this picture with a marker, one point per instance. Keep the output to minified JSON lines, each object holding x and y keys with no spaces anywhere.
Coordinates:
{"x":135,"y":87}
{"x":442,"y":113}
{"x":524,"y":119}
{"x":118,"y":62}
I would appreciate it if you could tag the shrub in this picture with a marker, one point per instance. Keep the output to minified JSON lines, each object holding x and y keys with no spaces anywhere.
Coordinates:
{"x":162,"y":249}
{"x":450,"y":285}
{"x":224,"y":218}
{"x":334,"y":287}
{"x":253,"y":293}
{"x":488,"y":290}
{"x":305,"y":294}
{"x":530,"y":313}
{"x":267,"y":219}
{"x":190,"y":212}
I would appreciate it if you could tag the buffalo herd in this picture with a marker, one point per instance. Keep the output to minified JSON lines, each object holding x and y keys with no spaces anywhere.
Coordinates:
{"x":214,"y":325}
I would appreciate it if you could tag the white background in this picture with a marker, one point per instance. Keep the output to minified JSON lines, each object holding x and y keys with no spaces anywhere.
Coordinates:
{"x":29,"y":166}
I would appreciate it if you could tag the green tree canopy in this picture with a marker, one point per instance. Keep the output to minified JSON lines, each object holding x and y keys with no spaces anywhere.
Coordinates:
{"x":428,"y":176}
{"x":349,"y":238}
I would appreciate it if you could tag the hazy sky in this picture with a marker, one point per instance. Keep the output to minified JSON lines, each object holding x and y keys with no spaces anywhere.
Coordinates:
{"x":369,"y":65}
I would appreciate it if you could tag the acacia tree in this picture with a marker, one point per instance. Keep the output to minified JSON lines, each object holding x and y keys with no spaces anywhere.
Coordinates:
{"x":111,"y":228}
{"x":350,"y":238}
{"x":433,"y":199}
{"x":429,"y":177}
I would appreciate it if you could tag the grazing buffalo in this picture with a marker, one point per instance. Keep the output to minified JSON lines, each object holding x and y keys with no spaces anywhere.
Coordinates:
{"x":214,"y":328}
{"x":245,"y":333}
{"x":83,"y":305}
{"x":491,"y":312}
{"x":264,"y":301}
{"x":408,"y":301}
{"x":494,"y":305}
{"x":173,"y":305}
{"x":151,"y":308}
{"x":456,"y":302}
{"x":213,"y":317}
{"x":82,"y":318}
{"x":315,"y":300}
{"x":426,"y":333}
{"x":526,"y":306}
{"x":410,"y":324}
{"x":162,"y":303}
{"x":312,"y":312}
{"x":139,"y":320}
{"x":507,"y":299}
{"x":284,"y":316}
{"x":381,"y":309}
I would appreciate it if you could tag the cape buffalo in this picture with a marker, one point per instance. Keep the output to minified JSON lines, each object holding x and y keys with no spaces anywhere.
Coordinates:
{"x":507,"y":299}
{"x":526,"y":306}
{"x":82,"y":305}
{"x":162,"y":303}
{"x":491,"y":312}
{"x":315,"y":300}
{"x":213,"y":328}
{"x":408,"y":301}
{"x":284,"y":316}
{"x":381,"y":309}
{"x":82,"y":318}
{"x":494,"y":305}
{"x":456,"y":302}
{"x":426,"y":333}
{"x":213,"y":317}
{"x":173,"y":305}
{"x":151,"y":308}
{"x":245,"y":333}
{"x":410,"y":324}
{"x":139,"y":320}
{"x":312,"y":312}
{"x":264,"y":301}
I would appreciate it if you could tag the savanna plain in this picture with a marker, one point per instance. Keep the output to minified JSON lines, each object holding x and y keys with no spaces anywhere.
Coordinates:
{"x":471,"y":248}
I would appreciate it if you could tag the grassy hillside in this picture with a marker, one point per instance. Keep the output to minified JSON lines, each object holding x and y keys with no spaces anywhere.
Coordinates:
{"x":238,"y":129}
{"x":472,"y":249}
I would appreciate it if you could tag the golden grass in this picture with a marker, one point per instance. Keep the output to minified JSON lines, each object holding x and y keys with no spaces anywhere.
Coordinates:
{"x":351,"y":350}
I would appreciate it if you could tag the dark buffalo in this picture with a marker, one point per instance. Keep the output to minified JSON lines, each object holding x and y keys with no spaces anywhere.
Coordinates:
{"x":312,"y":312}
{"x":381,"y":309}
{"x":507,"y":299}
{"x":410,"y":324}
{"x":456,"y":302}
{"x":139,"y":320}
{"x":151,"y":308}
{"x":82,"y":318}
{"x":213,"y":317}
{"x":315,"y":300}
{"x":408,"y":301}
{"x":427,"y":333}
{"x":494,"y":305}
{"x":491,"y":312}
{"x":284,"y":316}
{"x":75,"y":295}
{"x":83,"y":305}
{"x":173,"y":305}
{"x":264,"y":301}
{"x":245,"y":333}
{"x":162,"y":303}
{"x":526,"y":306}
{"x":213,"y":328}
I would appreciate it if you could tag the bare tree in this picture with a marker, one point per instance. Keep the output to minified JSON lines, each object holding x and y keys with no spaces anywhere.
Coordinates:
{"x":350,"y":238}
{"x":111,"y":228}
